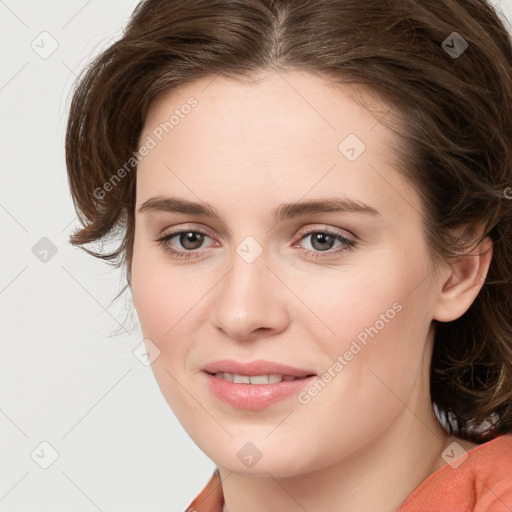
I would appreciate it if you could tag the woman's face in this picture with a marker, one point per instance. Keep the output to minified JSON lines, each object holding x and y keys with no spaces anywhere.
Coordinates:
{"x":260,"y":281}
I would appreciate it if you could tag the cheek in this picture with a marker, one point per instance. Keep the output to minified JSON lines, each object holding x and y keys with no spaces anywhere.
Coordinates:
{"x":373,"y":360}
{"x":163,"y":309}
{"x":355,"y":304}
{"x":163,"y":306}
{"x":158,"y":294}
{"x":377,"y":320}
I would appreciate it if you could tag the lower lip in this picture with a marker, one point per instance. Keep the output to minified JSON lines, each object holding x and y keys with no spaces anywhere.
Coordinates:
{"x":255,"y":396}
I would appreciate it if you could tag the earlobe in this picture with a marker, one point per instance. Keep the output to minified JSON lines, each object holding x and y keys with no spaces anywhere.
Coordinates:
{"x":464,"y":281}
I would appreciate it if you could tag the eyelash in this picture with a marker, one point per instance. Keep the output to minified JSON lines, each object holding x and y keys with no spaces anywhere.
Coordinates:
{"x":348,"y":243}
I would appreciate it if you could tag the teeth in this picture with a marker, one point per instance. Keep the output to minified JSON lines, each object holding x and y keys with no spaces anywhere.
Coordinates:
{"x":253,"y":379}
{"x":259,"y":379}
{"x":241,"y":379}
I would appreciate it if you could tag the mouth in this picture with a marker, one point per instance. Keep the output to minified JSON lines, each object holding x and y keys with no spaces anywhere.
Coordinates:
{"x":257,"y":384}
{"x":255,"y":392}
{"x":257,"y":379}
{"x":261,"y":369}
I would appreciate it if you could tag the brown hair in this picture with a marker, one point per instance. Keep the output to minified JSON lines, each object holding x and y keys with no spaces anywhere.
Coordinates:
{"x":455,"y":107}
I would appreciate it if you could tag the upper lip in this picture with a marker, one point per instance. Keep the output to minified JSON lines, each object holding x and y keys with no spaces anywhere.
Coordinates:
{"x":258,"y":367}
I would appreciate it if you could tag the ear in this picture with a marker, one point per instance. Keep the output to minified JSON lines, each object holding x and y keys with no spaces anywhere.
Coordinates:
{"x":461,"y":282}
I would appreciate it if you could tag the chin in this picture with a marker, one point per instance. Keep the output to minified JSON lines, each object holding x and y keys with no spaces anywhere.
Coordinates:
{"x":265,"y":462}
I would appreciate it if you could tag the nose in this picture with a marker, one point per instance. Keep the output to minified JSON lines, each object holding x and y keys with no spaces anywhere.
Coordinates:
{"x":250,"y":299}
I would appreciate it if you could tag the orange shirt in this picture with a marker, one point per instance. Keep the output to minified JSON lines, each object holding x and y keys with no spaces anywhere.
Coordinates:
{"x":482,"y":482}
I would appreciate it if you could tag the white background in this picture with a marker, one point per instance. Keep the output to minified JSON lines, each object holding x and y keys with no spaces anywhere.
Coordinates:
{"x":63,"y":378}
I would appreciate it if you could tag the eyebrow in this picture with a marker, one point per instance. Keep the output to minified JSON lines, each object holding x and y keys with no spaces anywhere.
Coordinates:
{"x":282,"y":212}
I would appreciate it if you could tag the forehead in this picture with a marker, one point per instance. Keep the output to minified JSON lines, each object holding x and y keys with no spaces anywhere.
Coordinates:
{"x":287,"y":105}
{"x":285,"y":134}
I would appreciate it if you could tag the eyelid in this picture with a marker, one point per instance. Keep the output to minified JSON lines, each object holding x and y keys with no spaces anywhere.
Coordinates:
{"x":326,"y":228}
{"x":185,"y":227}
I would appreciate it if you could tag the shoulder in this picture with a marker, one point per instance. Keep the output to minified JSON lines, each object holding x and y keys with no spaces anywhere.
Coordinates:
{"x":477,"y":480}
{"x":492,"y":473}
{"x":211,"y":498}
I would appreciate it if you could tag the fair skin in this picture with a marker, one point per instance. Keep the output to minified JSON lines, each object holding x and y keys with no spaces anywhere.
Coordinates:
{"x":370,"y":437}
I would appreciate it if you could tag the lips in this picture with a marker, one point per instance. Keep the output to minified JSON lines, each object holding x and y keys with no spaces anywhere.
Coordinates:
{"x":259,"y":367}
{"x":255,"y":396}
{"x":284,"y":381}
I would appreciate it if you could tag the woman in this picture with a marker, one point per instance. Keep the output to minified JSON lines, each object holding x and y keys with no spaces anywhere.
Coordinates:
{"x":315,"y":208}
